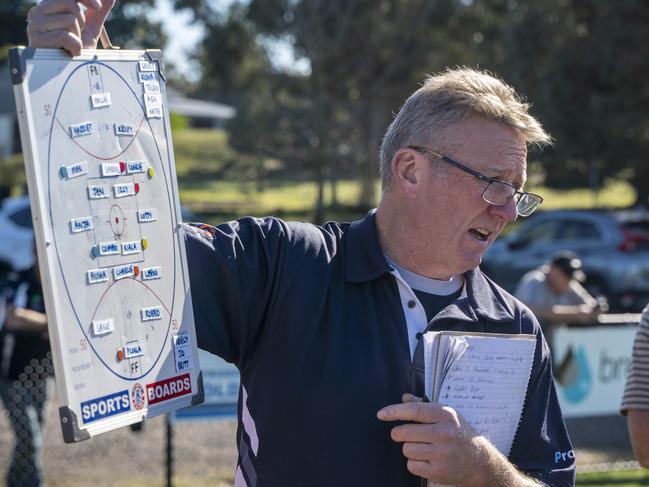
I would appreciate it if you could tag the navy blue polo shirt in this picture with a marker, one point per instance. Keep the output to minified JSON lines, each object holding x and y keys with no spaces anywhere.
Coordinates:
{"x":312,"y":318}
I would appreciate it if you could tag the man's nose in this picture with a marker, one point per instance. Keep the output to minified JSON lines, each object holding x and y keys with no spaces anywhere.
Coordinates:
{"x":506,"y":212}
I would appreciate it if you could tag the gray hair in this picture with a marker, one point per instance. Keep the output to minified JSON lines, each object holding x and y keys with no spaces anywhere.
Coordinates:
{"x":448,"y":98}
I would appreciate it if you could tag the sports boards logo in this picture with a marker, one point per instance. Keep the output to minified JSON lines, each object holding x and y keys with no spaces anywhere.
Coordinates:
{"x":137,"y":396}
{"x":105,"y":406}
{"x":168,"y":389}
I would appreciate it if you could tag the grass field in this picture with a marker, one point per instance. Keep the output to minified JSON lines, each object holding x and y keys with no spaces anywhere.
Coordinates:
{"x":626,"y":478}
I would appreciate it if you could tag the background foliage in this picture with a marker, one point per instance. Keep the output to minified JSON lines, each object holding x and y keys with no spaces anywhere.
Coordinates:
{"x":581,"y":65}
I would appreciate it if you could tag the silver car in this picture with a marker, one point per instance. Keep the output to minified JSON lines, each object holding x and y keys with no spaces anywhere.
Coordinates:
{"x":612,"y":245}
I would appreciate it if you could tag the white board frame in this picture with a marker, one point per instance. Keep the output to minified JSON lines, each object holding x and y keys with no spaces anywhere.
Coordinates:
{"x":22,"y":64}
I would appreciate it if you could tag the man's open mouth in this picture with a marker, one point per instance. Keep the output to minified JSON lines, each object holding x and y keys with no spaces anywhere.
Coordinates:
{"x":480,"y":234}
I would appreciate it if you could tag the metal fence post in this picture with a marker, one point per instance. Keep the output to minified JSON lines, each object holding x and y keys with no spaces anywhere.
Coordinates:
{"x":169,"y":450}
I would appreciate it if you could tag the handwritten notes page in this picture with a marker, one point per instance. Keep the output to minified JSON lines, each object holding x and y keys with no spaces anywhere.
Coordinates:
{"x":482,"y":376}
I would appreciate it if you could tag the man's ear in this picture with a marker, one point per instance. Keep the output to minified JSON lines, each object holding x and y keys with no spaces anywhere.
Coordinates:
{"x":405,"y":171}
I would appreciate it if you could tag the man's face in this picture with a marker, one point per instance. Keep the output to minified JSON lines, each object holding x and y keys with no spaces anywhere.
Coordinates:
{"x":558,"y":280}
{"x":452,"y":215}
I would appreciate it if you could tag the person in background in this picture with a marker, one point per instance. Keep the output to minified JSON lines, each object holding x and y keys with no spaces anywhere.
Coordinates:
{"x":25,"y":366}
{"x":555,"y":294}
{"x":635,"y":401}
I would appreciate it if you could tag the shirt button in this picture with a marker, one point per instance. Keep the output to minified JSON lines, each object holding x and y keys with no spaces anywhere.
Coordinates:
{"x":418,"y":336}
{"x":411,"y":304}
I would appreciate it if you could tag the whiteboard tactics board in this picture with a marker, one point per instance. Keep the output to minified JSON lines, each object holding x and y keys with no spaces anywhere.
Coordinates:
{"x":102,"y":184}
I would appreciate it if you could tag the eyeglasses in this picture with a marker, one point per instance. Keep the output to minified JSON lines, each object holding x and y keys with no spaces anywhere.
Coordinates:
{"x":497,"y":193}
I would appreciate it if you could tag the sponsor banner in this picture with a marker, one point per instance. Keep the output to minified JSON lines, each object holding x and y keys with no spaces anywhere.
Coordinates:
{"x":591,"y":366}
{"x":168,"y":389}
{"x":105,"y":406}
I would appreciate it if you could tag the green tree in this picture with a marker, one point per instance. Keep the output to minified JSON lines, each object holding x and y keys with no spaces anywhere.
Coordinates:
{"x":582,"y":65}
{"x":12,"y":24}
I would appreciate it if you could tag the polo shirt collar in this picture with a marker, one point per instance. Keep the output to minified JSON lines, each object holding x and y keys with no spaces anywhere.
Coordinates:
{"x":480,"y":299}
{"x":364,"y":257}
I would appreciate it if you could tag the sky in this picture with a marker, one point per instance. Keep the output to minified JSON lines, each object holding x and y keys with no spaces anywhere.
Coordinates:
{"x":184,"y":36}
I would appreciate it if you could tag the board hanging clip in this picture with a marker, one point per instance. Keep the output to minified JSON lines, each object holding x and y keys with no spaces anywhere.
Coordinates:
{"x":105,"y":40}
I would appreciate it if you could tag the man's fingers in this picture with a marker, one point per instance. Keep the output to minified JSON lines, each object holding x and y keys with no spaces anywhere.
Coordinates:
{"x":420,"y":468}
{"x":93,"y":4}
{"x":57,"y":38}
{"x":421,"y":412}
{"x":50,"y":7}
{"x":66,"y":21}
{"x":419,"y":451}
{"x":416,"y":432}
{"x":94,"y":22}
{"x":407,"y":397}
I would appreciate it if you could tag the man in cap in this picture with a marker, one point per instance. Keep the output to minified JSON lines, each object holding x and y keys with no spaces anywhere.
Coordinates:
{"x":555,"y":294}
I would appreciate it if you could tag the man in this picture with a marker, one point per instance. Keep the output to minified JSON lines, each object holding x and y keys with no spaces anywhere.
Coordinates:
{"x":554,"y":293}
{"x":24,"y":369}
{"x":635,"y":405}
{"x":324,"y":324}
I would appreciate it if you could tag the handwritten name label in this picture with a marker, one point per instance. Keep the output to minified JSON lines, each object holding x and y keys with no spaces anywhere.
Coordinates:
{"x":152,"y":313}
{"x":146,"y":216}
{"x":153,"y":111}
{"x":147,"y":66}
{"x":110,"y":169}
{"x":97,"y":192}
{"x":133,"y":349}
{"x":81,"y":224}
{"x":103,"y":327}
{"x":147,"y":76}
{"x":74,"y":170}
{"x":134,"y":167}
{"x":124,"y":129}
{"x":81,"y":129}
{"x":151,"y":87}
{"x":110,"y":248}
{"x":181,"y":340}
{"x":97,"y":275}
{"x":122,"y":271}
{"x":150,"y":273}
{"x":153,"y":99}
{"x":126,"y":189}
{"x":100,"y":100}
{"x":129,"y":248}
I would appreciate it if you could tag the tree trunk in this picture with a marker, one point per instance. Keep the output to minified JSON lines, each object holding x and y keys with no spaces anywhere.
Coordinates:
{"x":641,"y":189}
{"x":333,"y":180}
{"x":372,"y":133}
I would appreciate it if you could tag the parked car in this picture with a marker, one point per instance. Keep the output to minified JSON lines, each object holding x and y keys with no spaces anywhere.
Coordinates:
{"x":16,"y":233}
{"x":612,"y":245}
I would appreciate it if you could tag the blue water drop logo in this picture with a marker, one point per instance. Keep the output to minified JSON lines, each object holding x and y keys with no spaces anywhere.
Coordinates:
{"x":574,"y":375}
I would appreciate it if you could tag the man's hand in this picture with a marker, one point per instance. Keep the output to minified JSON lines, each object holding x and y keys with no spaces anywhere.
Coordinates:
{"x":442,"y":447}
{"x":438,"y":442}
{"x":63,"y":23}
